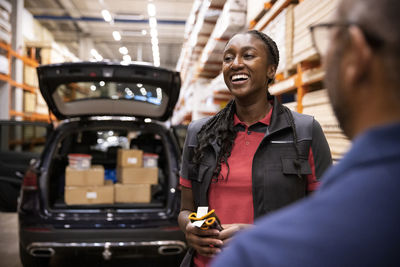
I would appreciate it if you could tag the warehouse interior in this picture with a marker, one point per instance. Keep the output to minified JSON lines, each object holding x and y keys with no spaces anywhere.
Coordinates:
{"x":189,"y":37}
{"x":186,"y":36}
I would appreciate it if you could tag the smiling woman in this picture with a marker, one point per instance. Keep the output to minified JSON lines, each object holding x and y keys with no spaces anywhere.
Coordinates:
{"x":253,"y":157}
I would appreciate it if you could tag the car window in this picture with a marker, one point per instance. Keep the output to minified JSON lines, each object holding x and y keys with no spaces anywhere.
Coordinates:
{"x":112,"y":90}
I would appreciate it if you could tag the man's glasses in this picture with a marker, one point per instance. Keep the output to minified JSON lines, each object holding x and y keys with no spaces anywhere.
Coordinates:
{"x":321,"y":36}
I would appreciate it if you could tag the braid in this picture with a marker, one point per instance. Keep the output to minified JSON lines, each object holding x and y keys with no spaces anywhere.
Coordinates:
{"x":219,"y":128}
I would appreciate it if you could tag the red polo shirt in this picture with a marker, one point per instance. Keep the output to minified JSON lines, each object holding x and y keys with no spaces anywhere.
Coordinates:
{"x":232,"y":197}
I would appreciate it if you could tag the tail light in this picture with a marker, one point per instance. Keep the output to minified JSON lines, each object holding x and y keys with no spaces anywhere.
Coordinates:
{"x":30,"y":181}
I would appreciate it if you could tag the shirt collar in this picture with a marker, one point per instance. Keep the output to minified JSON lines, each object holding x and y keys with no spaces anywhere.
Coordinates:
{"x":266,"y":120}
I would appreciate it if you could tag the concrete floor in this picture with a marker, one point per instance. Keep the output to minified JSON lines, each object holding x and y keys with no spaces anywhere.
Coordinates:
{"x":9,"y":254}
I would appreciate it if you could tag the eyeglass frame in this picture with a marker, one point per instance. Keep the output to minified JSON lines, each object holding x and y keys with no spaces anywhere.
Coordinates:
{"x":373,"y":40}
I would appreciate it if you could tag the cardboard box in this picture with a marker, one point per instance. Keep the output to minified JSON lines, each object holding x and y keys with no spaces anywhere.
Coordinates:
{"x":132,"y":193}
{"x":129,"y":175}
{"x":80,"y":195}
{"x":130,"y":158}
{"x":92,"y":176}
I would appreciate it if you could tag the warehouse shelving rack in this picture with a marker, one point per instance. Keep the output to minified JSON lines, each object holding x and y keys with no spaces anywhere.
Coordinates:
{"x":29,"y":61}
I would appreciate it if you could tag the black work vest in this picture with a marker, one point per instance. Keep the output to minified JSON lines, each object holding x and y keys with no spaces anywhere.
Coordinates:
{"x":275,"y":179}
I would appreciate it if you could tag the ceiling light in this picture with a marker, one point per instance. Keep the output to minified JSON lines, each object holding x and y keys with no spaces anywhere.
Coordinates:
{"x":154,"y":41}
{"x":116,"y":35}
{"x":102,"y":83}
{"x":123,"y":50}
{"x":106,"y":15}
{"x":127,"y":58}
{"x":93,"y":87}
{"x":151,"y":9}
{"x":153,"y":22}
{"x":144,"y":32}
{"x":96,"y":54}
{"x":153,"y":32}
{"x":93,"y":52}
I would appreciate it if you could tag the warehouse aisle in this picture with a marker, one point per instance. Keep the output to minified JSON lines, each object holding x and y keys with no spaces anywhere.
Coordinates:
{"x":9,"y":240}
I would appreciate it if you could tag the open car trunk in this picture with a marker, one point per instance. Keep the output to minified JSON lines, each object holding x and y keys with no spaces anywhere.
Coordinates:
{"x":102,"y":140}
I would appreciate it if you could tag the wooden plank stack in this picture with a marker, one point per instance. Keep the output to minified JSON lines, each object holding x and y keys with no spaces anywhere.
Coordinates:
{"x":231,"y":21}
{"x":5,"y":25}
{"x":5,"y":33}
{"x":281,"y":31}
{"x":307,"y":13}
{"x":317,"y":104}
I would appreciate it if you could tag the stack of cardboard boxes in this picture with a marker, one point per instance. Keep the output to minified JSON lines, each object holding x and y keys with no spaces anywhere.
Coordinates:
{"x":134,"y":180}
{"x":87,"y":186}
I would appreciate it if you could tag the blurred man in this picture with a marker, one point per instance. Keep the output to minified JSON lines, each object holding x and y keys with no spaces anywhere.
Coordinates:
{"x":354,"y":219}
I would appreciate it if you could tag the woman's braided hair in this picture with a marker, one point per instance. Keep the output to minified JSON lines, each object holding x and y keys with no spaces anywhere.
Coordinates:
{"x":219,"y":128}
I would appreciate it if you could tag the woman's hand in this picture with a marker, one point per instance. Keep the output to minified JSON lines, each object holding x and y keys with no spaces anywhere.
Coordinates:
{"x":205,"y":242}
{"x":230,"y":230}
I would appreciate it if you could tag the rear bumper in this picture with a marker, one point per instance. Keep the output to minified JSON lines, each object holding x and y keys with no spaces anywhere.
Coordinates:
{"x":110,"y":243}
{"x":111,"y":249}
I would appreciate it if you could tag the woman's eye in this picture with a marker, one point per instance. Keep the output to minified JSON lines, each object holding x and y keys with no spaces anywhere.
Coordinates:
{"x":228,"y":58}
{"x":248,"y":56}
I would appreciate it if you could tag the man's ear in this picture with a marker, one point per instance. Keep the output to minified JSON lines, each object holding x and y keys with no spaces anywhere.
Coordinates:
{"x":359,"y":58}
{"x":271,"y":71}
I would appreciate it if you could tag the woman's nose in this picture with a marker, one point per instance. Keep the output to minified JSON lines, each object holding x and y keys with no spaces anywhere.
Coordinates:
{"x":237,"y":62}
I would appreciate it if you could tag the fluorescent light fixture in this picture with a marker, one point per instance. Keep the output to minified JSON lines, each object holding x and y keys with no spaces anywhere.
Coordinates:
{"x":153,"y":22}
{"x":144,"y":32}
{"x":127,"y":58}
{"x":116,"y":35}
{"x":96,"y":54}
{"x":154,"y":41}
{"x":151,"y":9}
{"x":123,"y":50}
{"x":106,"y":15}
{"x":153,"y":32}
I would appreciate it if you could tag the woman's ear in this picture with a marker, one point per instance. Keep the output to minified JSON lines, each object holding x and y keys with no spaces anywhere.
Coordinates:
{"x":271,"y":71}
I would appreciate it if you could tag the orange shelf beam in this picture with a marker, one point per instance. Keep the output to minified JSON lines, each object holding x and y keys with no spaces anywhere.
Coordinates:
{"x":26,"y":60}
{"x":13,"y":83}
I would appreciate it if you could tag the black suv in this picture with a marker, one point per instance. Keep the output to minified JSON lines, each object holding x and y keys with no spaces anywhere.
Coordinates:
{"x":104,"y":107}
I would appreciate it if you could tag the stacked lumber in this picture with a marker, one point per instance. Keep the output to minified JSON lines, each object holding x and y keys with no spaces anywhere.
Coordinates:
{"x":5,"y":33}
{"x":317,"y":104}
{"x":231,"y":21}
{"x":5,"y":25}
{"x":198,"y":28}
{"x":307,"y":13}
{"x":281,"y":31}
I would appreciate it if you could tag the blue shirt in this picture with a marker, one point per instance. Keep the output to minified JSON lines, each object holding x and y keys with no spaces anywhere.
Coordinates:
{"x":352,"y":220}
